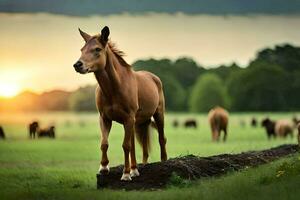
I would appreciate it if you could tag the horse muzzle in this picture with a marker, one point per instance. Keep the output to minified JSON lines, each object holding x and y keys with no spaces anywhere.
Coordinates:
{"x":78,"y":66}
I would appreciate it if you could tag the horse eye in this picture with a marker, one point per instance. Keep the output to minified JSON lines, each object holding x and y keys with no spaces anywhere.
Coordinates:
{"x":97,"y":49}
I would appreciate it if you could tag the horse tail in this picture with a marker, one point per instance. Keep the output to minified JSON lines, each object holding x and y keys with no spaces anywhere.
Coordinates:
{"x":143,"y":135}
{"x":217,"y":120}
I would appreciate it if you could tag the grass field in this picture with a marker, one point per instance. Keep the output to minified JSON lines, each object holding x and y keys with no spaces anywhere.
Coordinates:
{"x":65,"y":168}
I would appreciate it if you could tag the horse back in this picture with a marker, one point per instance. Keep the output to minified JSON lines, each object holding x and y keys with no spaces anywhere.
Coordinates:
{"x":218,"y":118}
{"x":150,"y":93}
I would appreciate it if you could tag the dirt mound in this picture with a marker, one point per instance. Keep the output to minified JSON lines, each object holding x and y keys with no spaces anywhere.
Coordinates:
{"x":157,"y":175}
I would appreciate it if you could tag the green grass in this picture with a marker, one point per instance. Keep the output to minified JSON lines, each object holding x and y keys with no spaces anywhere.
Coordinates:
{"x":65,"y":168}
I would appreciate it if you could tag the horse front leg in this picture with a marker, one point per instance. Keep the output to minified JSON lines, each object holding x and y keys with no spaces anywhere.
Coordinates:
{"x":105,"y":125}
{"x":134,"y":171}
{"x":129,"y":133}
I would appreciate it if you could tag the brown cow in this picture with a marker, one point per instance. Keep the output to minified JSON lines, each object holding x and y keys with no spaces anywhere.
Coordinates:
{"x":218,"y":119}
{"x":283,"y":128}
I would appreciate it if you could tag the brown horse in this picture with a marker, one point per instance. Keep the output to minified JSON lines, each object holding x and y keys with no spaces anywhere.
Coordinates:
{"x":218,"y":119}
{"x":125,"y":96}
{"x":32,"y":128}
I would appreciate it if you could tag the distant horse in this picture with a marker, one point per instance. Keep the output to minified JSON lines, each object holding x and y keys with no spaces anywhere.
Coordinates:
{"x":190,"y":123}
{"x":269,"y":126}
{"x":253,"y":122}
{"x":2,"y":134}
{"x":46,"y":132}
{"x":175,"y":123}
{"x":218,"y":119}
{"x":32,"y":128}
{"x":125,"y":96}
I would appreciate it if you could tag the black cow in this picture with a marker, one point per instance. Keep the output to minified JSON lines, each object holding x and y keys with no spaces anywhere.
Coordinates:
{"x":190,"y":123}
{"x":2,"y":134}
{"x":253,"y":122}
{"x":270,"y":127}
{"x":48,"y":132}
{"x":33,"y":127}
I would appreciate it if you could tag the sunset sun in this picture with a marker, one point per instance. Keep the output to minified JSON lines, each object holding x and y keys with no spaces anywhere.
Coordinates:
{"x":8,"y":89}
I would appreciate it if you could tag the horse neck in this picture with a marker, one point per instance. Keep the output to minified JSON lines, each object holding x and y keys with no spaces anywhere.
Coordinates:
{"x":110,"y":78}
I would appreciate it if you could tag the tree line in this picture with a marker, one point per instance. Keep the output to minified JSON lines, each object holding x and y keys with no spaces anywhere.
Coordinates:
{"x":271,"y":82}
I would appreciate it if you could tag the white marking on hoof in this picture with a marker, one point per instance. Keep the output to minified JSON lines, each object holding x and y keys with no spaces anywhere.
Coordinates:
{"x":134,"y":172}
{"x":104,"y":169}
{"x":126,"y":177}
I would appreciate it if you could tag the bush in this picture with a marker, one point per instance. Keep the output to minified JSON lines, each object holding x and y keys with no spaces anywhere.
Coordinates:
{"x":209,"y":91}
{"x":174,"y":93}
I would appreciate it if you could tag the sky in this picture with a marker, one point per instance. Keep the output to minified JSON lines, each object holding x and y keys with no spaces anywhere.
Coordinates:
{"x":37,"y":51}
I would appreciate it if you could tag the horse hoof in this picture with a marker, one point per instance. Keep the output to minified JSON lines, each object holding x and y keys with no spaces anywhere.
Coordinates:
{"x":134,"y":172}
{"x":104,"y":169}
{"x":126,"y":177}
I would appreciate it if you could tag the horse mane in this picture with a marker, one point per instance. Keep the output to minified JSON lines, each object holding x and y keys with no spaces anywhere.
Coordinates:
{"x":118,"y":53}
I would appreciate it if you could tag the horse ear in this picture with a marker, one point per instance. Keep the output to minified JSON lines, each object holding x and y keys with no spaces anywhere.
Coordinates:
{"x":104,"y":35}
{"x":84,"y":35}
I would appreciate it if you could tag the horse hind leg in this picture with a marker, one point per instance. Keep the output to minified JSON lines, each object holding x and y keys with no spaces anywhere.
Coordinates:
{"x":143,"y":137}
{"x":159,"y":120}
{"x":225,"y":135}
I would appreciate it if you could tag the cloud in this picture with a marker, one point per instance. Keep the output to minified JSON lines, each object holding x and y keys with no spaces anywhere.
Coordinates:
{"x":102,"y":7}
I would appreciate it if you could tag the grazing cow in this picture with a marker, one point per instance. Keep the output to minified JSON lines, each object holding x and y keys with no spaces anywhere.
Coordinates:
{"x":270,"y":127}
{"x":190,"y":123}
{"x":2,"y":134}
{"x":218,"y":119}
{"x":175,"y":123}
{"x":33,"y":127}
{"x":283,"y":128}
{"x":253,"y":122}
{"x":47,"y":132}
